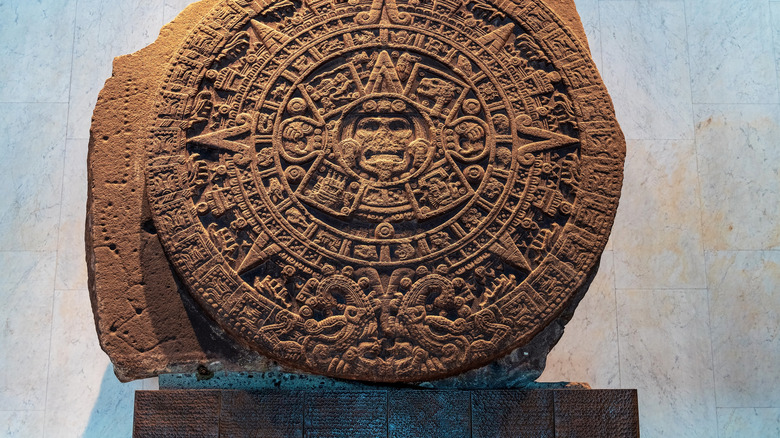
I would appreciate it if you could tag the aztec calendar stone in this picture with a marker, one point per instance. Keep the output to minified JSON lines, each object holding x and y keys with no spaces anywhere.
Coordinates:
{"x":383,"y":190}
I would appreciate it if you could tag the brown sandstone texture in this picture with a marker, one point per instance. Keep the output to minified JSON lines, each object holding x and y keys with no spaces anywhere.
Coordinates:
{"x":376,"y":190}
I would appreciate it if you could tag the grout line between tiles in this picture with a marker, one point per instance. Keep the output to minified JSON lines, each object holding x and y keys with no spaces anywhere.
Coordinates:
{"x":614,"y":275}
{"x":59,"y":221}
{"x":44,"y":102}
{"x":162,"y":15}
{"x":21,"y":410}
{"x":741,"y":250}
{"x":701,"y":223}
{"x":659,"y":139}
{"x":601,"y":36}
{"x":617,"y":321}
{"x":48,"y":362}
{"x":776,"y":56}
{"x":774,"y":47}
{"x":736,"y":103}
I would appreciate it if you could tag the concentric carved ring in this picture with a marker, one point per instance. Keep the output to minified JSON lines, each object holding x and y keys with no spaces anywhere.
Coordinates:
{"x":383,"y":190}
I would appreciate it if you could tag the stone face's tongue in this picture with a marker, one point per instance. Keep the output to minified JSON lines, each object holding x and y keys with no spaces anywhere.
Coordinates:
{"x":386,"y":158}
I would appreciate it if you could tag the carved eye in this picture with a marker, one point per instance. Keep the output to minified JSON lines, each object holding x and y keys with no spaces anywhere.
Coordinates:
{"x":398,"y":125}
{"x":369,"y":125}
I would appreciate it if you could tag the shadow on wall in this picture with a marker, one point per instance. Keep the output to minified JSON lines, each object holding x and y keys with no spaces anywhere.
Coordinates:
{"x":112,"y":413}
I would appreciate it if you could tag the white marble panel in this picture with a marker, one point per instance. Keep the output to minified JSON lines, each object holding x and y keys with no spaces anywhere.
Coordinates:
{"x":32,"y":138}
{"x":774,"y":7}
{"x":663,"y":334}
{"x":71,"y":258}
{"x":90,"y":401}
{"x":151,"y":384}
{"x":665,"y":354}
{"x":105,"y":30}
{"x":657,"y":233}
{"x":36,"y":50}
{"x":745,"y":312}
{"x":588,"y":350}
{"x":591,"y":21}
{"x":739,"y":164}
{"x":730,"y":45}
{"x":645,"y":67}
{"x":172,"y":8}
{"x":748,"y":422}
{"x":21,"y":424}
{"x":26,"y":287}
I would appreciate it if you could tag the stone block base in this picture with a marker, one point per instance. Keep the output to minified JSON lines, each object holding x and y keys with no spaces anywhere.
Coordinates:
{"x":398,"y":413}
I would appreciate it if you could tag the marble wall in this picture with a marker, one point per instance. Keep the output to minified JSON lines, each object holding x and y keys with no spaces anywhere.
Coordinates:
{"x":686,"y":307}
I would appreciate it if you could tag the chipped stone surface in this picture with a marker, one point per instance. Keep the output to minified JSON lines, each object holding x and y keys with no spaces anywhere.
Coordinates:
{"x":372,"y":202}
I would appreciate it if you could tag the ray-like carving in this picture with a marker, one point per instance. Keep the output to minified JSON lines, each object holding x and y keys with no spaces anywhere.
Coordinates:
{"x":272,"y":39}
{"x":545,"y":140}
{"x":225,"y":139}
{"x":496,"y":40}
{"x":507,"y":250}
{"x":258,"y":254}
{"x":384,"y":77}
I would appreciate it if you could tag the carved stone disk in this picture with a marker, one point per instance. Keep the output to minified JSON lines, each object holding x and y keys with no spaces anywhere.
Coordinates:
{"x":383,"y":190}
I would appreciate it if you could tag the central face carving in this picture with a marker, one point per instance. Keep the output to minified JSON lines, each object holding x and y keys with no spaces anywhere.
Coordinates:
{"x":384,"y":145}
{"x":384,"y":141}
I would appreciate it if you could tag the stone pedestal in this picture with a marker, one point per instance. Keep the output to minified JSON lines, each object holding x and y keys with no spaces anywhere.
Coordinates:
{"x":385,"y":412}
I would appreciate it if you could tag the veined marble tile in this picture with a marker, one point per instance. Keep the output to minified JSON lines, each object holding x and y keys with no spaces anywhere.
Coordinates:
{"x":32,"y":138}
{"x":730,"y":45}
{"x":26,"y":287}
{"x":748,"y":422}
{"x":739,"y":164}
{"x":21,"y":424}
{"x":588,"y":350}
{"x":665,"y":354}
{"x":774,"y":9}
{"x":657,"y":234}
{"x":662,"y":335}
{"x":610,"y":246}
{"x":151,"y":384}
{"x":172,"y":8}
{"x":103,"y":32}
{"x":645,"y":67}
{"x":89,"y":401}
{"x":71,"y":258}
{"x":36,"y":50}
{"x":589,"y":14}
{"x":745,"y":312}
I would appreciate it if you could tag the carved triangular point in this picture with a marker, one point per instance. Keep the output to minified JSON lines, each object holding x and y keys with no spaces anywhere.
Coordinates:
{"x":270,"y":37}
{"x":496,"y":40}
{"x":258,"y":254}
{"x":384,"y":77}
{"x":507,"y":250}
{"x":221,"y":139}
{"x":548,"y":139}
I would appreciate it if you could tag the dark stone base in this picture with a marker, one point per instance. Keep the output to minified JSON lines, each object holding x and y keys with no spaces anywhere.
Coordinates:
{"x":387,"y":413}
